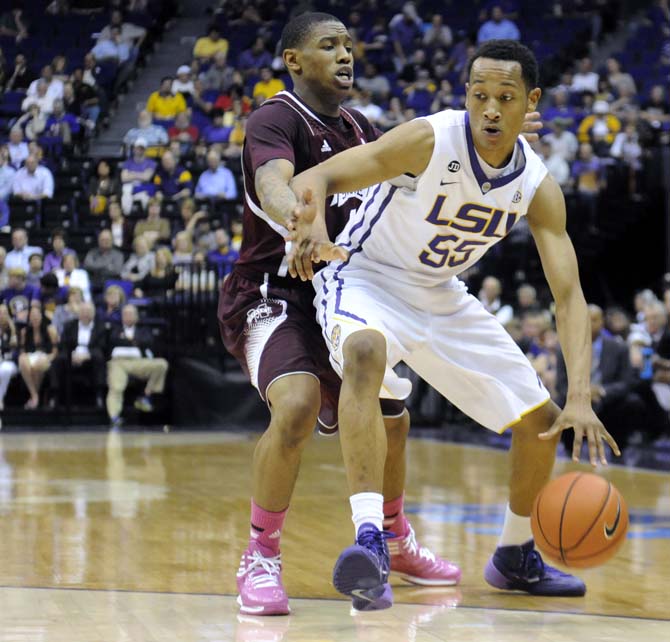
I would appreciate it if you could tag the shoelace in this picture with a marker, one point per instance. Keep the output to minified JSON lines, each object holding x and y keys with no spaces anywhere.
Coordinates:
{"x":412,"y":545}
{"x":534,"y":564}
{"x":263,"y":572}
{"x":375,"y":539}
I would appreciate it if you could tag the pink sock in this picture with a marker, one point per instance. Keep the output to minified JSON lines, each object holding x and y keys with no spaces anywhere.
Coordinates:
{"x":394,"y":518}
{"x":266,"y":529}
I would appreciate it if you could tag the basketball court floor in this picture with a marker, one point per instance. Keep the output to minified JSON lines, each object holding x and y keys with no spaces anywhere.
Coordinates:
{"x":126,"y":537}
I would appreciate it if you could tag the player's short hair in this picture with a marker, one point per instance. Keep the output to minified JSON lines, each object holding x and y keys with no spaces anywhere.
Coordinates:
{"x":511,"y":50}
{"x":295,"y":33}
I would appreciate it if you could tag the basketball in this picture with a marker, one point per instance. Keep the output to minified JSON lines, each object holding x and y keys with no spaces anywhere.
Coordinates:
{"x":579,"y":519}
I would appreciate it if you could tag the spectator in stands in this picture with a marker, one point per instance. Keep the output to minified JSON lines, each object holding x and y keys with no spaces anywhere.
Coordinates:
{"x":84,"y":101}
{"x":526,"y":300}
{"x":419,"y":95}
{"x":41,"y":99}
{"x":563,"y":142}
{"x":33,"y":182}
{"x":62,"y":125}
{"x":219,"y":76}
{"x":19,"y":256}
{"x":163,"y":105}
{"x":410,"y":72}
{"x":599,"y":128}
{"x":206,"y":47}
{"x":33,"y":123}
{"x":160,"y":279}
{"x":585,"y":79}
{"x":21,"y":76}
{"x":267,"y":86}
{"x":51,"y":294}
{"x":556,"y":165}
{"x":119,"y":226}
{"x":7,"y":173}
{"x":183,"y":248}
{"x":91,"y":71}
{"x":38,"y":346}
{"x":497,"y":28}
{"x":195,"y":277}
{"x":217,"y":181}
{"x":114,"y":299}
{"x":183,"y":83}
{"x":406,"y":31}
{"x":81,"y":348}
{"x":4,"y":270}
{"x":102,"y":188}
{"x":611,"y":382}
{"x":650,"y":355}
{"x":139,"y":263}
{"x":54,"y":87}
{"x":437,"y":34}
{"x":35,"y":270}
{"x":627,"y":149}
{"x":112,"y":49}
{"x":363,"y":103}
{"x":445,"y":98}
{"x":70,"y":274}
{"x":251,"y":60}
{"x":184,"y":132}
{"x":8,"y":347}
{"x":588,"y":174}
{"x":53,"y":260}
{"x":18,"y":294}
{"x":236,"y":231}
{"x":13,"y":24}
{"x":560,"y":108}
{"x":223,"y":256}
{"x":103,"y":262}
{"x":489,"y":296}
{"x":618,"y":79}
{"x":617,"y":323}
{"x":17,"y":147}
{"x":188,"y":217}
{"x":131,"y":34}
{"x":154,"y":228}
{"x":656,"y":111}
{"x":172,"y":181}
{"x":216,"y":132}
{"x":132,"y":355}
{"x":136,"y":175}
{"x":374,"y":82}
{"x":69,"y":310}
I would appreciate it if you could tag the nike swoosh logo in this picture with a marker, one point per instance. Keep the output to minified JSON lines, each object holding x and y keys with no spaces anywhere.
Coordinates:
{"x":361,"y":593}
{"x":609,"y":530}
{"x":449,"y":182}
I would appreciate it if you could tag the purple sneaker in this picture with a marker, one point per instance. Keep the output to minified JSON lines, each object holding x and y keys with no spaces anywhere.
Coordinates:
{"x":521,"y":568}
{"x":362,"y":570}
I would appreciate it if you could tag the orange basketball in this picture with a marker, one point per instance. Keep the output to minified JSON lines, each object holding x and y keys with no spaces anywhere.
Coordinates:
{"x":579,"y":519}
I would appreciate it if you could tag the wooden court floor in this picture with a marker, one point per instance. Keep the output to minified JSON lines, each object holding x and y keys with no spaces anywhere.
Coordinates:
{"x":136,"y":538}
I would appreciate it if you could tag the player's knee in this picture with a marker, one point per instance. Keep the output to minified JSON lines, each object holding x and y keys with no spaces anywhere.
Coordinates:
{"x":364,"y":352}
{"x":294,"y":423}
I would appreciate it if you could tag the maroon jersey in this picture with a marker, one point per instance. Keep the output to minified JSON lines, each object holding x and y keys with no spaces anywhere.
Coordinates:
{"x":285,"y":127}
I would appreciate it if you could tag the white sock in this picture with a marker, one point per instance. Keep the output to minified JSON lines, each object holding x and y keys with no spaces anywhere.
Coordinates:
{"x":367,"y":508}
{"x":516,"y":529}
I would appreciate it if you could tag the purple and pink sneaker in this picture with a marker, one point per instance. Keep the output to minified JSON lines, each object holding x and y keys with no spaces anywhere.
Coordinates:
{"x":362,"y":570}
{"x":418,"y":565}
{"x":521,"y":568}
{"x":259,"y":584}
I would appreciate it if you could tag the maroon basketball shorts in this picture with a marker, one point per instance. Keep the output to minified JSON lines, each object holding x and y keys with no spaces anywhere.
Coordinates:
{"x":272,"y":332}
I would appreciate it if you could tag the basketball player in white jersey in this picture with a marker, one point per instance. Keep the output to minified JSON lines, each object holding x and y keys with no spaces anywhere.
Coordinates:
{"x":448,"y":187}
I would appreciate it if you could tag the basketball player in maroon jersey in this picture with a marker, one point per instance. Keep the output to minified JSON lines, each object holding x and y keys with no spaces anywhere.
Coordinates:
{"x":267,"y":318}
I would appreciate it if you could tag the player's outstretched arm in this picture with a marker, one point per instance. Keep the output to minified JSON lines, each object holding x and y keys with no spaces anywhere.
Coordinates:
{"x":404,"y":150}
{"x":272,"y":188}
{"x":546,"y":218}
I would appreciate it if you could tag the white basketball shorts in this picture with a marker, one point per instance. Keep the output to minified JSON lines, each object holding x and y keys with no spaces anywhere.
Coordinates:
{"x":456,"y":346}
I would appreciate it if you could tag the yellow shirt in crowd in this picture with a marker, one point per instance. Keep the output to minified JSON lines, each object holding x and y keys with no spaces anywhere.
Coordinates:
{"x":205,"y":47}
{"x":165,"y":107}
{"x":269,"y":88}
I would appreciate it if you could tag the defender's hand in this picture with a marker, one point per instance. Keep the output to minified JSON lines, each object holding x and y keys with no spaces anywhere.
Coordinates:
{"x":582,"y":419}
{"x":531,"y":125}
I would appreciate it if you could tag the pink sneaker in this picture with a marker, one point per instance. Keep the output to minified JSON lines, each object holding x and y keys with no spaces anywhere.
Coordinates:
{"x":260,"y":587}
{"x":417,"y":565}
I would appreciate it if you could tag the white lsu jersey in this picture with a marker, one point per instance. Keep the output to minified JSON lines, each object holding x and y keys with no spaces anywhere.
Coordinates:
{"x":421,"y":232}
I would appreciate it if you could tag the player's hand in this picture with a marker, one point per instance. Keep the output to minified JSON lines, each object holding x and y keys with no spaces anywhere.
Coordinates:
{"x":307,"y":240}
{"x":581,"y":418}
{"x":531,"y":125}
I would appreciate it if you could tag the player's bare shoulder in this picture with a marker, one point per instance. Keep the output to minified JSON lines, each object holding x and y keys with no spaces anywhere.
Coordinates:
{"x":547,"y":209}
